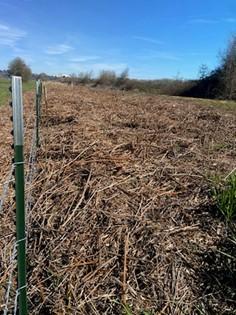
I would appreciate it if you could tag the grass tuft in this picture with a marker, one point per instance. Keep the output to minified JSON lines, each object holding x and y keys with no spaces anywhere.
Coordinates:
{"x":224,"y":194}
{"x":128,"y":311}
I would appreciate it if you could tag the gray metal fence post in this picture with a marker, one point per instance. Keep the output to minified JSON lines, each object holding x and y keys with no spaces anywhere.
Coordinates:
{"x":17,"y":106}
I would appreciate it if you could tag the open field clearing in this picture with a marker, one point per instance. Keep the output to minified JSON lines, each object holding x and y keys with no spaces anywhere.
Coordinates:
{"x":121,"y":208}
{"x":4,"y":89}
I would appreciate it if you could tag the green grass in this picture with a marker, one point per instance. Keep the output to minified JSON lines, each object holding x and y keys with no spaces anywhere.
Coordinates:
{"x":224,"y":194}
{"x":220,"y":104}
{"x":29,"y":86}
{"x":4,"y":89}
{"x":128,"y":311}
{"x":224,"y":104}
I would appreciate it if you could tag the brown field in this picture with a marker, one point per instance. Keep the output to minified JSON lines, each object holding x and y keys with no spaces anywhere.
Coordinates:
{"x":122,"y":212}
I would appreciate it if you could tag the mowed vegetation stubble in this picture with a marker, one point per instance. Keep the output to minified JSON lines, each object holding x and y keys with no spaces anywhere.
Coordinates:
{"x":122,"y":212}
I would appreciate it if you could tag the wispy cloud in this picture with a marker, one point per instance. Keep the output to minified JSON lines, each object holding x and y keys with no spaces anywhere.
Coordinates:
{"x":229,"y":20}
{"x":58,"y":49}
{"x":7,"y":5}
{"x":212,"y":21}
{"x":109,"y":66}
{"x":197,"y":54}
{"x":97,"y":67}
{"x":202,"y":21}
{"x":148,"y":39}
{"x":9,"y":35}
{"x":81,"y":59}
{"x":160,"y":55}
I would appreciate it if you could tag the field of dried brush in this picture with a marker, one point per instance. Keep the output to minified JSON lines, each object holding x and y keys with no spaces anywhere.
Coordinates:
{"x":122,"y":213}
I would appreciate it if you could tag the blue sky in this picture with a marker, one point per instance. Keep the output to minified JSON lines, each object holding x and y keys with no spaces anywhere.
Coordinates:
{"x":153,"y":38}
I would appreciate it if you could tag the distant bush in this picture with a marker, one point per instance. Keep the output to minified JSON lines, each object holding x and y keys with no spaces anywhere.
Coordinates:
{"x":107,"y":77}
{"x":122,"y":78}
{"x":43,"y":76}
{"x":163,"y":86}
{"x":122,"y":81}
{"x":84,"y":77}
{"x":19,"y":68}
{"x":175,"y":87}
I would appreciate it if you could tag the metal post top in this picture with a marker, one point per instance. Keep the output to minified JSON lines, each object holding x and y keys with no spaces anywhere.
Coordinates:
{"x":38,"y":87}
{"x":16,"y":80}
{"x":16,"y":77}
{"x":17,"y":107}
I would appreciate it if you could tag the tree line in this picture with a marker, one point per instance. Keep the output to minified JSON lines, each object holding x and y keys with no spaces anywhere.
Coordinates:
{"x":221,"y":82}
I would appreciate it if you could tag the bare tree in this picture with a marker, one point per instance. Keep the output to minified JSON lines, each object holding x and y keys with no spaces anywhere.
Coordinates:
{"x":203,"y":72}
{"x":229,"y":69}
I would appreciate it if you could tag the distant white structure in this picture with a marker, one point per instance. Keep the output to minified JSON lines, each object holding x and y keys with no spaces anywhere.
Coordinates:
{"x":62,"y":75}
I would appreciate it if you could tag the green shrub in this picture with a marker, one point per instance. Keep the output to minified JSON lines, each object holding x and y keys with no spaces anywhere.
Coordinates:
{"x":225,"y":197}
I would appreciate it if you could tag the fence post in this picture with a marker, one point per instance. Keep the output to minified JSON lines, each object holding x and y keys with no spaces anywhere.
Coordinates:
{"x":40,"y":90}
{"x":17,"y":106}
{"x":37,"y":111}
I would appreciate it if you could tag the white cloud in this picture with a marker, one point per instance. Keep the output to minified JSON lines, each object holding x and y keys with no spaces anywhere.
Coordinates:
{"x":9,"y":36}
{"x":81,"y":59}
{"x":58,"y":49}
{"x":148,"y":39}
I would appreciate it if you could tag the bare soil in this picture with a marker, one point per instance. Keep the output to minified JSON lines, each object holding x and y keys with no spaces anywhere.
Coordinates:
{"x":122,"y":211}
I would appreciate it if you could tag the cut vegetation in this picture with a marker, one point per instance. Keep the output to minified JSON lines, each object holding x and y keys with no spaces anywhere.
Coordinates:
{"x":123,"y":218}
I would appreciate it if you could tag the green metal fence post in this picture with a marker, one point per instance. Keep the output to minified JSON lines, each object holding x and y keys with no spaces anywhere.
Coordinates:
{"x":17,"y":106}
{"x":40,"y":93}
{"x":40,"y":97}
{"x":37,"y":111}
